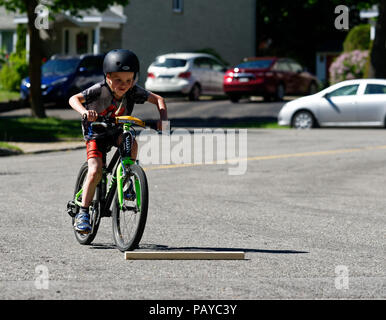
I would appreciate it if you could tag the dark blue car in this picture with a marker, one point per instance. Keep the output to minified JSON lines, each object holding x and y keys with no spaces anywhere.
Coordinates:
{"x":64,"y":76}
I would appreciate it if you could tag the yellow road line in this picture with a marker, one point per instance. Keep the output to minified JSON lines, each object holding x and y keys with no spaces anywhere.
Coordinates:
{"x":270,"y":157}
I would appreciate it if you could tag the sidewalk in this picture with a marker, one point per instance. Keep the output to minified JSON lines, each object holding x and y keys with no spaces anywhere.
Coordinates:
{"x":37,"y":147}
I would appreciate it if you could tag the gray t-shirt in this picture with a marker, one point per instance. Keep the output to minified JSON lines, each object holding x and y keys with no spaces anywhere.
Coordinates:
{"x":100,"y":98}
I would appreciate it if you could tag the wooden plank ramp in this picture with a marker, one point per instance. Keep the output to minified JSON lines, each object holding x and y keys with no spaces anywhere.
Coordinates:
{"x":184,"y":255}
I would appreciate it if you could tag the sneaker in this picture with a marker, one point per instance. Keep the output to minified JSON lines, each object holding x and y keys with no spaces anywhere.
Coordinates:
{"x":82,"y":222}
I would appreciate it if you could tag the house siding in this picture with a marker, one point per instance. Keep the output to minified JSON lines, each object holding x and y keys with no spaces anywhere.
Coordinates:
{"x":227,"y":26}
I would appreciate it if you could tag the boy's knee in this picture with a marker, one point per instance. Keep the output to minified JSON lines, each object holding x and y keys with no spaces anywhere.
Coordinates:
{"x":95,"y":170}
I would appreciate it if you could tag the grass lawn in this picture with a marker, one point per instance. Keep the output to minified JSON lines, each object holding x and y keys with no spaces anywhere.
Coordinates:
{"x":33,"y":129}
{"x":259,"y":125}
{"x":8,"y":146}
{"x":8,"y":95}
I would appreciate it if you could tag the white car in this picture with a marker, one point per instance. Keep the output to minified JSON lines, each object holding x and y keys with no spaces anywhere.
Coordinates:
{"x":189,"y":74}
{"x":360,"y":102}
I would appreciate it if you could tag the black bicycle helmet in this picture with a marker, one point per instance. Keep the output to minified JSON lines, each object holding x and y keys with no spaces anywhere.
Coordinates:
{"x":121,"y":60}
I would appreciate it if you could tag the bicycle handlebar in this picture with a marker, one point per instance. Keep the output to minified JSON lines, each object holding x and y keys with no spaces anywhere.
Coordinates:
{"x":105,"y":122}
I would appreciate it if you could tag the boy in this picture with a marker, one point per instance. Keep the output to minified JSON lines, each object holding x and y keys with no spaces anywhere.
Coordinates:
{"x":115,"y":96}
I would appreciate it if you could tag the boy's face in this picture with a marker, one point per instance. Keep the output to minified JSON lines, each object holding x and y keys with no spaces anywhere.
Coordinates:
{"x":120,"y":82}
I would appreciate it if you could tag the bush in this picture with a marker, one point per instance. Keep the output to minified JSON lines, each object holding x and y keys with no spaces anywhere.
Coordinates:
{"x":13,"y":71}
{"x":349,"y":65}
{"x":358,"y":38}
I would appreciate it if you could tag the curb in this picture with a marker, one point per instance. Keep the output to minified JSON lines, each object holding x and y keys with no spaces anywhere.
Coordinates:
{"x":25,"y":151}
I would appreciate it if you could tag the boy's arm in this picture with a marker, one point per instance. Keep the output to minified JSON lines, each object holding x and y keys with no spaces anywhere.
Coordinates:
{"x":161,"y":106}
{"x":76,"y":103}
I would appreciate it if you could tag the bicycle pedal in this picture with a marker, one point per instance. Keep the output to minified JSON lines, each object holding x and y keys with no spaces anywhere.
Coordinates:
{"x":71,"y":209}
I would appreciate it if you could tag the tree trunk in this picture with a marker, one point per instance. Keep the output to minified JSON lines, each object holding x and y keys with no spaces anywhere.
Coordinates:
{"x":35,"y":62}
{"x":378,"y":53}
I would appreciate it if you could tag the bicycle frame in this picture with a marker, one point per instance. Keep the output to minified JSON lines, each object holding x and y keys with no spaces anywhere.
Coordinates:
{"x":117,"y":180}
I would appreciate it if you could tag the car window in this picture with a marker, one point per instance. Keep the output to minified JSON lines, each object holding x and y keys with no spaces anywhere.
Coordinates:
{"x":59,"y":67}
{"x":256,"y":64}
{"x":217,"y":66}
{"x":345,"y":91}
{"x":202,"y":63}
{"x":281,"y":66}
{"x":169,"y":62}
{"x":375,"y":89}
{"x":295,"y":67}
{"x":92,"y":64}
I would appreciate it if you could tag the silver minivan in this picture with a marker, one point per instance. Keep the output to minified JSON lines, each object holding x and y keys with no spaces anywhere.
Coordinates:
{"x":189,"y":74}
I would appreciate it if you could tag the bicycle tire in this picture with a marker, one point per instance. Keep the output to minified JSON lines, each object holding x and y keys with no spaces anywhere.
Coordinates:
{"x":123,"y":241}
{"x":86,"y":239}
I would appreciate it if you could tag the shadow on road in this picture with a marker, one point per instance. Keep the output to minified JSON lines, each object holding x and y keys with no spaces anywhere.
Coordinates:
{"x":216,"y":249}
{"x":218,"y":122}
{"x":158,"y":247}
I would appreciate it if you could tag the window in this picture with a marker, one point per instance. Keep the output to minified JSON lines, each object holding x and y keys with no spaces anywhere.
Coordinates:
{"x":169,"y":62}
{"x":282,"y":66}
{"x":296,"y":67}
{"x":92,"y":64}
{"x":59,"y":67}
{"x":345,"y":91}
{"x":216,"y":66}
{"x":257,"y":64}
{"x":6,"y":41}
{"x":202,"y":63}
{"x":178,"y":6}
{"x":375,"y":89}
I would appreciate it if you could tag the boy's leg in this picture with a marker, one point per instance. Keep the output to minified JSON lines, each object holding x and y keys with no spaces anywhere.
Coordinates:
{"x":94,"y":175}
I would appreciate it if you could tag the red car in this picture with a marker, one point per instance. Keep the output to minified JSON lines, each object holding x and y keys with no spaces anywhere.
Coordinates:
{"x":270,"y":77}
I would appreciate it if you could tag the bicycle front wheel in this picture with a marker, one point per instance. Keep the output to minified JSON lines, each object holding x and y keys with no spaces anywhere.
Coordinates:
{"x":129,"y":221}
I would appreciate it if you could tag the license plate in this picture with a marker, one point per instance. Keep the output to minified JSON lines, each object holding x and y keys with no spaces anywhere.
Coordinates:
{"x":243,"y":79}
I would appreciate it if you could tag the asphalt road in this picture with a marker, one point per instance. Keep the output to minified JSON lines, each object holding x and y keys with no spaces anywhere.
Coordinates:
{"x":308,"y":213}
{"x":182,"y":113}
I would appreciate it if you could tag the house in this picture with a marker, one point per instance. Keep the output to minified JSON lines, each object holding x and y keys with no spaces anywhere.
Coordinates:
{"x":156,"y":27}
{"x":7,"y":32}
{"x":150,"y":28}
{"x":93,"y":32}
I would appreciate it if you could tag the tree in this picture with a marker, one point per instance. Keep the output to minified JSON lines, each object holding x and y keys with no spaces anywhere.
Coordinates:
{"x":35,"y":55}
{"x":297,"y":28}
{"x":378,"y":51}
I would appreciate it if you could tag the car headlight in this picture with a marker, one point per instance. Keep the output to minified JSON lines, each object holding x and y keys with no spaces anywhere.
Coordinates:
{"x":25,"y":83}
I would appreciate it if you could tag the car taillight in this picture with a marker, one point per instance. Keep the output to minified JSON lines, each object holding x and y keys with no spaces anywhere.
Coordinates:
{"x":150,"y":75}
{"x":228,"y":77}
{"x":185,"y":75}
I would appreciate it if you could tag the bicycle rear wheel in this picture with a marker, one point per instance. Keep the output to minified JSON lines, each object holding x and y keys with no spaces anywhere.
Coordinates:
{"x":129,"y":221}
{"x":86,"y":239}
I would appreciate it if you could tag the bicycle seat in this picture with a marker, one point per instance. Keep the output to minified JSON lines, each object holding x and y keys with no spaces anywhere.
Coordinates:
{"x":130,"y":119}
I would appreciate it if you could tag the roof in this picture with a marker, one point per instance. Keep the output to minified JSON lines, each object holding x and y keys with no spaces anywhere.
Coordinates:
{"x":108,"y":17}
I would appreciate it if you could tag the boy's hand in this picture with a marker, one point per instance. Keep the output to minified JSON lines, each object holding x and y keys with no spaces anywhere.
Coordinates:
{"x":92,"y":115}
{"x":163,"y":125}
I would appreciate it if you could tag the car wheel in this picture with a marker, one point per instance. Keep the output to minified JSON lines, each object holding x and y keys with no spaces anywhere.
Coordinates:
{"x":234,"y":98}
{"x":303,"y":120}
{"x":195,"y":93}
{"x":313,"y":88}
{"x":280,"y":92}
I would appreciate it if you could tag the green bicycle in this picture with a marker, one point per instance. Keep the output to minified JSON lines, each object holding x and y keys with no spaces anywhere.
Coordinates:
{"x":127,"y":192}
